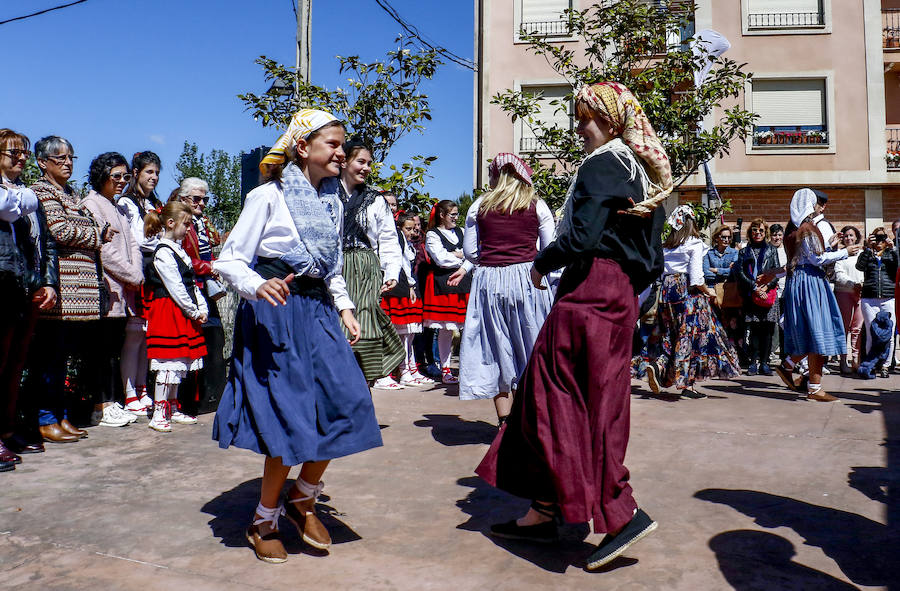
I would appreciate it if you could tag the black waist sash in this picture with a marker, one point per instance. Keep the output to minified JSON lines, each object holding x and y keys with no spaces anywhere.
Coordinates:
{"x":301,"y":285}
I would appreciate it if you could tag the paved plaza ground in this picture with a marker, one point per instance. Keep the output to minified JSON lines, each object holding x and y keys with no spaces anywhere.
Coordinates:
{"x":751,"y":488}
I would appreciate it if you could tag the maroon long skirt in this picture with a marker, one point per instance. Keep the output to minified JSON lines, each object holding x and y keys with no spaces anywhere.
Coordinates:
{"x":566,"y":436}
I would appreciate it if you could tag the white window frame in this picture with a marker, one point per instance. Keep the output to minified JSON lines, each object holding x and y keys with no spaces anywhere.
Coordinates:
{"x":518,"y":86}
{"x":517,"y":22}
{"x":830,"y":119}
{"x":824,"y":29}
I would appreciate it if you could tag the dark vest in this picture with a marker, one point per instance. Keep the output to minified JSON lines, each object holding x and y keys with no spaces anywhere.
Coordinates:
{"x":154,"y":283}
{"x":442,"y":275}
{"x":507,"y":238}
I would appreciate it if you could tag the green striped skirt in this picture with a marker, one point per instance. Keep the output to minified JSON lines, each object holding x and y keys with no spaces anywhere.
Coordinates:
{"x":379,"y":350}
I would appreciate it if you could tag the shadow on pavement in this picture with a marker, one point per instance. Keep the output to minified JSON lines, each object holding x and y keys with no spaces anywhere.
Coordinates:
{"x":487,"y":505}
{"x":755,"y":560}
{"x":452,"y":430}
{"x":865,"y":550}
{"x":232,"y":512}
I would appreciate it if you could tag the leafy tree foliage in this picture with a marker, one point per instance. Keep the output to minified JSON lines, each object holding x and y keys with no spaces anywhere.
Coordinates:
{"x":222,"y":172}
{"x":381,"y":103}
{"x":645,"y":47}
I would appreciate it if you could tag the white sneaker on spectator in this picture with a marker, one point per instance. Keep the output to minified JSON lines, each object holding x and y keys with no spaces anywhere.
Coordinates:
{"x":132,"y":418}
{"x":109,"y":417}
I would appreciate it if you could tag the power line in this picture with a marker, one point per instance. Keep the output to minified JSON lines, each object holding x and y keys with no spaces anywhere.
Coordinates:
{"x":414,"y":32}
{"x":40,"y":12}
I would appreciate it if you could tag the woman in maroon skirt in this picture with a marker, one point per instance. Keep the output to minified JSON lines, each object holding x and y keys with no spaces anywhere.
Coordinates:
{"x":564,"y":443}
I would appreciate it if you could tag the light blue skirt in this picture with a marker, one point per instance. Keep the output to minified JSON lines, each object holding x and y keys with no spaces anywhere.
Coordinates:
{"x":503,"y":318}
{"x":812,"y":319}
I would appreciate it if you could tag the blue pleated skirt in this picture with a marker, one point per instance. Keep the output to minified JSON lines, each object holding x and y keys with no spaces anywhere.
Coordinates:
{"x":812,"y":319}
{"x":503,"y":318}
{"x":295,"y":390}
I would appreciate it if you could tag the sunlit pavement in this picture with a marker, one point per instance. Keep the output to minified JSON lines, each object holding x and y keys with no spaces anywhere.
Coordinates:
{"x":752,"y":489}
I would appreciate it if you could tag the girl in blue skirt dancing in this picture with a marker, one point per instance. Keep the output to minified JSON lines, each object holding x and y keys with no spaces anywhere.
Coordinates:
{"x":295,"y":392}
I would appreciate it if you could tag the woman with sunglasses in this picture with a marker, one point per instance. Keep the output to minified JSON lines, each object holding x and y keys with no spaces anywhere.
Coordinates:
{"x":761,"y":311}
{"x":123,"y":274}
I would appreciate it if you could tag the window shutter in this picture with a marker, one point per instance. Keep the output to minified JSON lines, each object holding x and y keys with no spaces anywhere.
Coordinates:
{"x":786,"y":103}
{"x":783,"y":6}
{"x":547,"y":113}
{"x":538,"y":11}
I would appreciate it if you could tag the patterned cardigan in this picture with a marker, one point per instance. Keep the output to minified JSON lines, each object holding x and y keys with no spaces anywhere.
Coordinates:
{"x":78,"y":242}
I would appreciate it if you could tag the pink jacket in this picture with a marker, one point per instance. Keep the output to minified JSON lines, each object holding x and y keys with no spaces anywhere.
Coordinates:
{"x":121,"y":257}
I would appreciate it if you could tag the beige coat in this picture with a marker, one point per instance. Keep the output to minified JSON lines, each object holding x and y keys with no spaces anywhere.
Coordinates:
{"x":120,"y":257}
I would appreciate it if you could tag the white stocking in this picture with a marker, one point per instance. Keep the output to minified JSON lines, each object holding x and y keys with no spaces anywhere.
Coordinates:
{"x":445,"y":346}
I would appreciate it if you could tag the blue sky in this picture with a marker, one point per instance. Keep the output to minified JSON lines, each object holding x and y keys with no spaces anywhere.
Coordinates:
{"x":113,"y":75}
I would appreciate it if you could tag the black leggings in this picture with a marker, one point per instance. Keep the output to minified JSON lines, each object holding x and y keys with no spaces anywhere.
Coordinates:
{"x":760,"y":345}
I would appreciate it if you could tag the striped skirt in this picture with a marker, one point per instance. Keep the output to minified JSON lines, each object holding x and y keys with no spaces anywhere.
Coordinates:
{"x":379,"y":350}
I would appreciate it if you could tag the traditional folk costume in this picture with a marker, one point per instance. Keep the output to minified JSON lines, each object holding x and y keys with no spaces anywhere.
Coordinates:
{"x":444,"y":306}
{"x":175,"y":344}
{"x":565,"y":439}
{"x":371,"y":258}
{"x":505,"y":311}
{"x":295,"y":390}
{"x":688,"y":343}
{"x":405,"y":314}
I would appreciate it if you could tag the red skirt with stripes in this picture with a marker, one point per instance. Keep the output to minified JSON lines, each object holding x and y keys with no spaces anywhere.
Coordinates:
{"x":443,"y":308}
{"x":171,"y":334}
{"x":402,"y":311}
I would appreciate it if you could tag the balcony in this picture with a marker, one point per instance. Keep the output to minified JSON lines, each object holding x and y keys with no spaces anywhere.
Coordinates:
{"x":890,"y":28}
{"x":557,"y":28}
{"x":530,"y":145}
{"x":893,"y":148}
{"x":801,"y":135}
{"x":786,"y":20}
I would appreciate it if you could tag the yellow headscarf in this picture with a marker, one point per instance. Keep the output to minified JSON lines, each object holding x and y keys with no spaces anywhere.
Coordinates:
{"x":304,"y":123}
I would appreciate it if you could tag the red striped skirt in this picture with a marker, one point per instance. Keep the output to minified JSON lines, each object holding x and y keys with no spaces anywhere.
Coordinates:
{"x":402,"y":311}
{"x":171,"y":334}
{"x":443,"y":308}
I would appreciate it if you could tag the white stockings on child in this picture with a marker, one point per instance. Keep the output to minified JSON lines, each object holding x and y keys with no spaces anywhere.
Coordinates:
{"x":445,"y":346}
{"x":409,"y":366}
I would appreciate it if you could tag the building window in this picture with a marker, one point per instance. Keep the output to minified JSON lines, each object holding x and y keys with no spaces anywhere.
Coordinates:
{"x":554,"y":111}
{"x":791,"y":113}
{"x":544,"y":17}
{"x":785,"y":14}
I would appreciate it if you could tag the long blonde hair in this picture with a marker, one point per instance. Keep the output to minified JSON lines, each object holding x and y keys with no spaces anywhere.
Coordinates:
{"x":510,"y":195}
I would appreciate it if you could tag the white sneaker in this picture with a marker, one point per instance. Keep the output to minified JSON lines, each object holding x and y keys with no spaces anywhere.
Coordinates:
{"x":179,"y":417}
{"x":132,"y":418}
{"x":108,"y":417}
{"x":159,"y":422}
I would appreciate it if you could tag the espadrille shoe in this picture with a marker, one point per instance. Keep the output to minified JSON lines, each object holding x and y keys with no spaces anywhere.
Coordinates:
{"x":266,"y":541}
{"x":302,"y":513}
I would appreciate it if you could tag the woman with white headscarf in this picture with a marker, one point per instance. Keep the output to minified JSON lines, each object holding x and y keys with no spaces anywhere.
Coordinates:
{"x":812,"y":319}
{"x":689,"y":343}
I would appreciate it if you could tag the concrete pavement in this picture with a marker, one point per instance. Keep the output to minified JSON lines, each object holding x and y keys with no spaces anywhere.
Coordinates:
{"x":751,"y":488}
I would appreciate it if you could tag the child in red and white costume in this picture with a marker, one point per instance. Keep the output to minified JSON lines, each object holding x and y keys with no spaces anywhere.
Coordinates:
{"x":175,"y":343}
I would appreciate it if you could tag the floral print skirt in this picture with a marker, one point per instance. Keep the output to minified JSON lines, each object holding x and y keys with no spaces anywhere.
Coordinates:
{"x":688,"y":344}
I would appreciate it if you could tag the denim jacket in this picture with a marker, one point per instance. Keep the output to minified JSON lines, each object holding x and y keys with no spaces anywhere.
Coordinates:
{"x":721,"y":262}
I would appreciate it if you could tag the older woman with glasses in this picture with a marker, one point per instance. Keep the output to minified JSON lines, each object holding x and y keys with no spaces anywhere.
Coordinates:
{"x":761,"y":310}
{"x":122,"y":275}
{"x":28,"y":282}
{"x":63,"y":329}
{"x":717,"y":266}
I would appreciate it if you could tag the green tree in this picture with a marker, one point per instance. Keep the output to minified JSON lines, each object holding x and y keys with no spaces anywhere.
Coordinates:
{"x":632,"y":42}
{"x":32,"y":172}
{"x":465,"y":201}
{"x":222,"y":172}
{"x":381,"y":103}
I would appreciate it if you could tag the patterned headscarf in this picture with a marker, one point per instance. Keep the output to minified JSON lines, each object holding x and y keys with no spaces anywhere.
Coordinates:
{"x":515,"y":165}
{"x":619,"y":106}
{"x":677,"y":218}
{"x":304,"y":122}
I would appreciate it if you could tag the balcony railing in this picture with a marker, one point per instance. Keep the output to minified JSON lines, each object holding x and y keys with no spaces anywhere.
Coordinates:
{"x":890,"y":26}
{"x":785,"y":136}
{"x":558,"y":28}
{"x":893,"y":148}
{"x":529,"y":145}
{"x":786,"y":20}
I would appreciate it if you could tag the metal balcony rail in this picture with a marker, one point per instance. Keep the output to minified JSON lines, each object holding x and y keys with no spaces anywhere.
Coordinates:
{"x":890,"y":24}
{"x":893,"y":148}
{"x":786,"y":20}
{"x":530,"y":144}
{"x":559,"y":28}
{"x":766,"y":136}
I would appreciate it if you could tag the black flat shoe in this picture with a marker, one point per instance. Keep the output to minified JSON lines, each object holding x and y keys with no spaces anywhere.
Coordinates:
{"x":613,"y":546}
{"x":542,"y":533}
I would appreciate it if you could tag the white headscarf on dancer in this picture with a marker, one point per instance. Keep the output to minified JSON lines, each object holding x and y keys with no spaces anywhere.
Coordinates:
{"x":802,"y":205}
{"x":678,"y":217}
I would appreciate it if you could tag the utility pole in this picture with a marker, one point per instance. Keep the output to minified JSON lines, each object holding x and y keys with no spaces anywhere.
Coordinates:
{"x":304,"y":29}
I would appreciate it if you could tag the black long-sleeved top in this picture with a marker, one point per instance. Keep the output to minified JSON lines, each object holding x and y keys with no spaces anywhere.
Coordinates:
{"x":601,"y":190}
{"x":878,"y":274}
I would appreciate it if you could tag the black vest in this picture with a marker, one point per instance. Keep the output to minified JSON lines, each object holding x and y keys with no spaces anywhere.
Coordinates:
{"x":442,"y":275}
{"x":154,"y":283}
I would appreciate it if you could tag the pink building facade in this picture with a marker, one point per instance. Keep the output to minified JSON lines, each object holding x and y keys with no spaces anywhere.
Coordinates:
{"x":826,"y":85}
